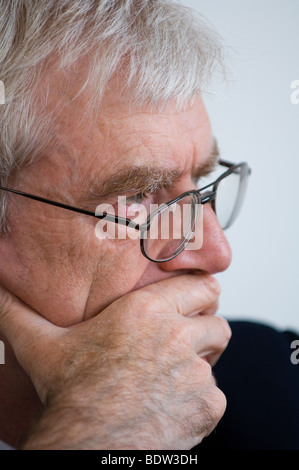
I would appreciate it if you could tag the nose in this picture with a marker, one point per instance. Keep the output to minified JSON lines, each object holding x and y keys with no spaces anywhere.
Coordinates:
{"x":213,"y":256}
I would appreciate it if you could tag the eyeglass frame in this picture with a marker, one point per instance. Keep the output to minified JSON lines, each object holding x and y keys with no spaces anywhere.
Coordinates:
{"x":209,"y":197}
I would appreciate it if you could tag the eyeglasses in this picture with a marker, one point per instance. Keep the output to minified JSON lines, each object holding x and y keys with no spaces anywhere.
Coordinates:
{"x":225,"y":194}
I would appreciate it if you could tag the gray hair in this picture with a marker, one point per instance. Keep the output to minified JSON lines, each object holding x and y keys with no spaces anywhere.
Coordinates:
{"x":167,"y":52}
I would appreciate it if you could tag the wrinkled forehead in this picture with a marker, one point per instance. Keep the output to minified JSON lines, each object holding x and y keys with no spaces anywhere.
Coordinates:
{"x":121,"y":135}
{"x":92,"y":146}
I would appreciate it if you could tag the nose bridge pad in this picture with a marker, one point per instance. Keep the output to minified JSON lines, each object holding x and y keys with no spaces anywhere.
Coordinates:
{"x":208,"y":196}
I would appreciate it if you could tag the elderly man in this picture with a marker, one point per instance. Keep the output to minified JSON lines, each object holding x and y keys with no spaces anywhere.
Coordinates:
{"x":110,"y":340}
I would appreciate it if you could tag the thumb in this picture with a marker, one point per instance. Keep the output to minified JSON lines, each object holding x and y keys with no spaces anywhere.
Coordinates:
{"x":23,"y":327}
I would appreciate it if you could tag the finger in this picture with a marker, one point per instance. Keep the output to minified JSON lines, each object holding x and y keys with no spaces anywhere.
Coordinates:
{"x":20,"y":324}
{"x":210,"y":336}
{"x":188,"y":295}
{"x":210,"y":310}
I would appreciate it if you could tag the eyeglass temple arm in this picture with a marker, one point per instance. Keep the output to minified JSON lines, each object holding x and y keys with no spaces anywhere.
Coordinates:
{"x":226,"y":163}
{"x":101,"y":215}
{"x":230,"y":165}
{"x":109,"y":217}
{"x":211,"y":195}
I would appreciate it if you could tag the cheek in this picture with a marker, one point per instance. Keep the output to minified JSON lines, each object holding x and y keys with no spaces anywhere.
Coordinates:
{"x":52,"y":269}
{"x":120,"y":266}
{"x":65,"y":273}
{"x":52,"y":262}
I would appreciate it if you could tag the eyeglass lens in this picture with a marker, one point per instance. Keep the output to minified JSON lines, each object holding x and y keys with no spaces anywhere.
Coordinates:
{"x":173,"y":227}
{"x":230,"y":193}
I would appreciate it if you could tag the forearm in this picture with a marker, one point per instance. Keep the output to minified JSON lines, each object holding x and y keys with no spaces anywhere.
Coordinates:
{"x":78,"y":426}
{"x":65,"y":426}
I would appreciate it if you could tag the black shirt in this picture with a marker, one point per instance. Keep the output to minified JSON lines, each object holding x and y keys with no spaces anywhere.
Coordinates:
{"x":261,"y":384}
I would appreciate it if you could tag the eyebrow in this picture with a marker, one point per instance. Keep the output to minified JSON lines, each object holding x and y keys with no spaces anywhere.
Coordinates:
{"x":143,"y":179}
{"x":209,"y":165}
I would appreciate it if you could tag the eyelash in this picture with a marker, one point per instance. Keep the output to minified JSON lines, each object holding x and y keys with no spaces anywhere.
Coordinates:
{"x":138,"y":198}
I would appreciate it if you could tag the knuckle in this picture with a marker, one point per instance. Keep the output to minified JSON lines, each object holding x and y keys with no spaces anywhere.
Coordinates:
{"x":212,"y":285}
{"x":220,"y":403}
{"x":217,"y":405}
{"x":204,"y":371}
{"x":209,"y":402}
{"x":225,"y":330}
{"x":179,"y":305}
{"x":180,"y":334}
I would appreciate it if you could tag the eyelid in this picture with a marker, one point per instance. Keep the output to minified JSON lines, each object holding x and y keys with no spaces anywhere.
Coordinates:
{"x":209,"y":168}
{"x":140,"y":194}
{"x":207,"y":174}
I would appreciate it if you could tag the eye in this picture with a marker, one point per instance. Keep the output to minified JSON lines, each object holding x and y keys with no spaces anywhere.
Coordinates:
{"x":137,"y":198}
{"x":137,"y":206}
{"x":140,"y":203}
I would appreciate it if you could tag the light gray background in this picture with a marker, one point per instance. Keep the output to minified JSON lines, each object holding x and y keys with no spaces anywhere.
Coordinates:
{"x":254,"y":120}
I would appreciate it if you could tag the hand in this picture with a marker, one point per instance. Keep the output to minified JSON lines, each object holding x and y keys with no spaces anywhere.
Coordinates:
{"x":137,"y":376}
